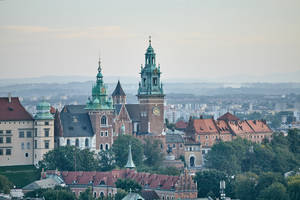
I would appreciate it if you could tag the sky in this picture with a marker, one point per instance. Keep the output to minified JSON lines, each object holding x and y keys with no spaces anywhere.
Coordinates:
{"x":196,"y":39}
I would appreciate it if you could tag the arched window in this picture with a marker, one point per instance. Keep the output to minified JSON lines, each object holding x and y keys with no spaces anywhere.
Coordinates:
{"x":101,"y":146}
{"x":192,"y":161}
{"x":103,"y":120}
{"x":86,"y":142}
{"x":68,"y":142}
{"x":77,"y":142}
{"x":106,"y":146}
{"x":101,"y":194}
{"x":95,"y":194}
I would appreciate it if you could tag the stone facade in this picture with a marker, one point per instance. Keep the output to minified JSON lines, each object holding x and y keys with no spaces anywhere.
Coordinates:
{"x":24,"y":139}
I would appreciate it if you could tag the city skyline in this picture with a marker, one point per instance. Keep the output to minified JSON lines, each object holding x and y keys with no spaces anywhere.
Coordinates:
{"x":200,"y":40}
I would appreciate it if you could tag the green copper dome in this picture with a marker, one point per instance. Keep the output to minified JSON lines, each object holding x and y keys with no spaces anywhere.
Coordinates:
{"x":150,"y":75}
{"x":99,"y":99}
{"x":43,"y":111}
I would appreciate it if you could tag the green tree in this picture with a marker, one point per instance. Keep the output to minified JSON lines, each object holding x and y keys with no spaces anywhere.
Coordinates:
{"x":120,"y":149}
{"x":276,"y":191}
{"x":86,"y":195}
{"x":245,"y":186}
{"x":266,"y":179}
{"x":153,"y":152}
{"x":294,"y":187}
{"x":128,"y":185}
{"x":208,"y":182}
{"x":5,"y":185}
{"x":63,"y":159}
{"x":120,"y":194}
{"x":107,"y":160}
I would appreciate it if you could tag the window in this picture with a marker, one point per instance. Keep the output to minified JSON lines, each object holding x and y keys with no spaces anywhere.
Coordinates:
{"x":106,"y":146}
{"x":46,"y":132}
{"x":21,"y":134}
{"x":1,"y":152}
{"x":101,"y":146}
{"x":101,"y":133}
{"x":28,"y":145}
{"x":77,"y":142}
{"x":155,"y":81}
{"x":26,"y":155}
{"x":28,"y":134}
{"x":191,"y":149}
{"x":8,"y":140}
{"x":35,"y":132}
{"x":8,"y":151}
{"x":68,"y":142}
{"x":95,"y":194}
{"x":106,"y":133}
{"x":206,"y":137}
{"x":174,"y":145}
{"x":103,"y":120}
{"x":46,"y":144}
{"x":144,"y":82}
{"x":1,"y":140}
{"x":22,"y":146}
{"x":1,"y":131}
{"x":86,"y":142}
{"x":8,"y":132}
{"x":180,"y":145}
{"x":35,"y":144}
{"x":46,"y":123}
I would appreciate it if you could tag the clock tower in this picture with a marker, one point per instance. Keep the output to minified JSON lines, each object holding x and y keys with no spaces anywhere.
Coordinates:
{"x":150,"y":95}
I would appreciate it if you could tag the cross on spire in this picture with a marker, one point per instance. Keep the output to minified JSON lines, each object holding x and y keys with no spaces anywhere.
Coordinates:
{"x":99,"y":64}
{"x":150,"y":40}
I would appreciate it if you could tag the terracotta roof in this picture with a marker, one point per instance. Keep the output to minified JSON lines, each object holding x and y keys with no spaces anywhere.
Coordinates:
{"x":222,"y":127}
{"x":118,"y":91}
{"x":52,"y":110}
{"x":181,"y":124}
{"x":13,"y":110}
{"x":228,"y":117}
{"x":147,"y":180}
{"x":240,"y":127}
{"x":205,"y":126}
{"x":259,"y":126}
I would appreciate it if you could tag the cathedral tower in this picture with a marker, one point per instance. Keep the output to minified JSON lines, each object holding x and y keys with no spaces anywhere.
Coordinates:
{"x":150,"y":95}
{"x":101,"y":112}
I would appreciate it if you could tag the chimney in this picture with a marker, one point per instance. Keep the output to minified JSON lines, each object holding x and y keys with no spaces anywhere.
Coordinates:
{"x":9,"y":97}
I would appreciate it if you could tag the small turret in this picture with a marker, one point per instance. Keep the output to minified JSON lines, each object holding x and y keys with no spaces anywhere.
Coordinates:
{"x":119,"y":96}
{"x":130,"y":163}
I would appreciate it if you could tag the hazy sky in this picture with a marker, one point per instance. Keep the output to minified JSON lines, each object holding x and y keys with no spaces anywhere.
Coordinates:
{"x":192,"y":38}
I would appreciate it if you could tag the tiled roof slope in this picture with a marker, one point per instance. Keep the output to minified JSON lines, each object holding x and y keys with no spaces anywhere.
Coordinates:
{"x":118,"y":91}
{"x":259,"y":126}
{"x":147,"y":180}
{"x":205,"y":126}
{"x":228,"y":117}
{"x":229,"y":124}
{"x":75,"y":121}
{"x":181,"y":124}
{"x":13,"y":110}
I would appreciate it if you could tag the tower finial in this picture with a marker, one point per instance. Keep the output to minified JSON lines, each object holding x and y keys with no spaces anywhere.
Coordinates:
{"x":99,"y":64}
{"x":130,"y":163}
{"x":150,"y":40}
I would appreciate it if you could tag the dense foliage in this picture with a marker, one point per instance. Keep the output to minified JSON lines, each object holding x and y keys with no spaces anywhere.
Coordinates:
{"x":5,"y":185}
{"x":128,"y":185}
{"x":52,"y":194}
{"x":69,"y":158}
{"x":253,"y":171}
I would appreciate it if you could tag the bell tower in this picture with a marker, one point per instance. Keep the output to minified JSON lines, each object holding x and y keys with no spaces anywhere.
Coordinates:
{"x":150,"y":95}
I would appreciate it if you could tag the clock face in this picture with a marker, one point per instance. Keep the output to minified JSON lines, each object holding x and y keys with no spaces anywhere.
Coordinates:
{"x":156,"y":111}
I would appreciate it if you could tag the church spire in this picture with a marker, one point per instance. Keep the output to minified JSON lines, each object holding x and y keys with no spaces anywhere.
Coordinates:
{"x":130,"y":163}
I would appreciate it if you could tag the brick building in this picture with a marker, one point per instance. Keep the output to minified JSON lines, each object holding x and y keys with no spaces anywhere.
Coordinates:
{"x":226,"y":128}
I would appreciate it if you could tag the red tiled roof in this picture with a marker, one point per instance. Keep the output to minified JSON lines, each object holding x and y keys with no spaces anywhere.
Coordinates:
{"x":109,"y":178}
{"x":181,"y":124}
{"x":52,"y":110}
{"x":240,"y":127}
{"x":228,"y":117}
{"x":13,"y":110}
{"x":205,"y":126}
{"x":222,"y":127}
{"x":259,"y":126}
